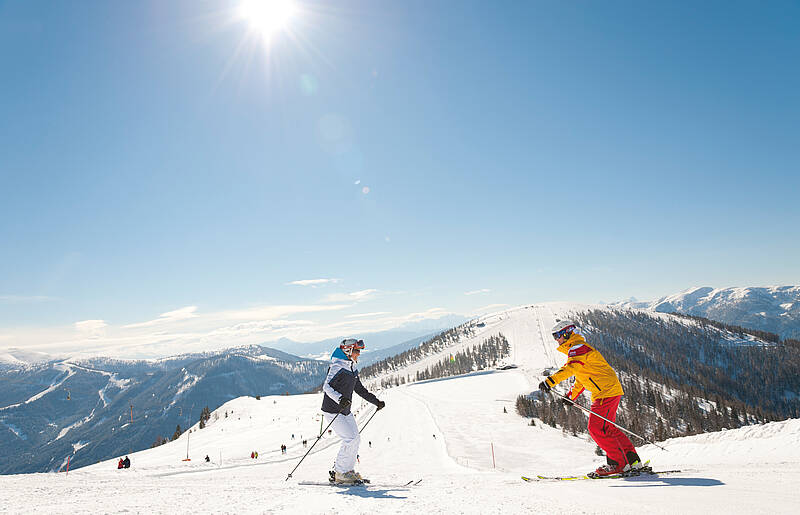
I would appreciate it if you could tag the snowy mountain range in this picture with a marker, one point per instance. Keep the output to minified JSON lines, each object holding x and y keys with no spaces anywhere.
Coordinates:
{"x":96,"y":408}
{"x":775,"y":309}
{"x":449,"y":445}
{"x":376,"y":341}
{"x":47,"y":402}
{"x":99,"y":407}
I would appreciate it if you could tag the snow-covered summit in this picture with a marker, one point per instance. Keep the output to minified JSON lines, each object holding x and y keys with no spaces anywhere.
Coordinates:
{"x":774,"y":308}
{"x":22,"y":357}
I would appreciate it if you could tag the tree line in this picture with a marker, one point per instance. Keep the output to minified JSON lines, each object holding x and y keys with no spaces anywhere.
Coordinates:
{"x":434,"y":345}
{"x":682,"y":379}
{"x":205,"y":415}
{"x":485,"y":355}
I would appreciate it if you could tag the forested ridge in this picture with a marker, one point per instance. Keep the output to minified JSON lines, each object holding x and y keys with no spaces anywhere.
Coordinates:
{"x":682,"y":379}
{"x":486,"y":354}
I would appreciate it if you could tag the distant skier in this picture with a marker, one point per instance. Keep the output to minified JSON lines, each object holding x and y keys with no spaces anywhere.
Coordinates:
{"x":126,"y":462}
{"x":207,"y":458}
{"x":592,"y":372}
{"x":121,"y":464}
{"x":342,"y":380}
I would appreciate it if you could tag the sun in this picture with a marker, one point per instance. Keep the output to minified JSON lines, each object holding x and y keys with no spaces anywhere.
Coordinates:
{"x":267,"y":16}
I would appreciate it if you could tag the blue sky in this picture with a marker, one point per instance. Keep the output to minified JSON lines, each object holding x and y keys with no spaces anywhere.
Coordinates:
{"x":168,"y":174}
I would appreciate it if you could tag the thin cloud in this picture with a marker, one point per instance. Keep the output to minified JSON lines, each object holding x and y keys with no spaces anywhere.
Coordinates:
{"x":355,"y":296}
{"x":170,"y":316}
{"x":312,"y":282}
{"x":394,"y":321}
{"x":367,"y":315}
{"x":248,"y":329}
{"x":90,"y":325}
{"x":431,"y":313}
{"x":275,"y":312}
{"x":91,"y":329}
{"x":476,"y":292}
{"x":355,"y":324}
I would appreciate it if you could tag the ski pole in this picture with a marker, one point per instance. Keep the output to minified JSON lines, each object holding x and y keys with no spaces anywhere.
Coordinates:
{"x":312,"y":446}
{"x":610,"y":422}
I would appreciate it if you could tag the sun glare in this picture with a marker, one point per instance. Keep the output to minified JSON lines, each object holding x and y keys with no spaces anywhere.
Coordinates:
{"x":267,"y":16}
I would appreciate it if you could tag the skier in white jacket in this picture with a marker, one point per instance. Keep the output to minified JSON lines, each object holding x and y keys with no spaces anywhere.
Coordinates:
{"x":342,"y":380}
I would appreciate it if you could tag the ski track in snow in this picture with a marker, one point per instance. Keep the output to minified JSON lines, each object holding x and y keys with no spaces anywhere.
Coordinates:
{"x":754,"y":469}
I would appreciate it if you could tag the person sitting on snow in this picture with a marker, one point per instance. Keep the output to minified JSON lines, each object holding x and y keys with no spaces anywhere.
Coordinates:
{"x":126,"y":462}
{"x":593,"y":373}
{"x":342,"y":380}
{"x":121,"y":464}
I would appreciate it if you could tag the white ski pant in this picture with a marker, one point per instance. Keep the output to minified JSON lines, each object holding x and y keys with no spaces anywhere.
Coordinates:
{"x":345,"y":428}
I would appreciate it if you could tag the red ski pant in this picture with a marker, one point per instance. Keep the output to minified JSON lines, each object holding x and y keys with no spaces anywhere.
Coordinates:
{"x":606,"y":435}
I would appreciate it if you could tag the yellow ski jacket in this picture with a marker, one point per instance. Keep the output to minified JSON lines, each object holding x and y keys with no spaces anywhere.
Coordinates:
{"x":590,"y":369}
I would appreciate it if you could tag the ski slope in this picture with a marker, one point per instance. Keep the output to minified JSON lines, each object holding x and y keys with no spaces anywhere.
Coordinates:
{"x":451,"y":433}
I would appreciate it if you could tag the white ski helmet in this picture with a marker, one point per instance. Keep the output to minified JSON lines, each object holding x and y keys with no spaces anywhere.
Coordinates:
{"x":563,"y":328}
{"x":349,"y":344}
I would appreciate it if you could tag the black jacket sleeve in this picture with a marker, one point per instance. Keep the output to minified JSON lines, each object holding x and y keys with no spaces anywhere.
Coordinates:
{"x":360,"y":390}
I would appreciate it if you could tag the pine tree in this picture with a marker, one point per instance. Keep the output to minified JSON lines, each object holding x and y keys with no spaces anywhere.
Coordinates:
{"x":177,"y":433}
{"x":205,"y":415}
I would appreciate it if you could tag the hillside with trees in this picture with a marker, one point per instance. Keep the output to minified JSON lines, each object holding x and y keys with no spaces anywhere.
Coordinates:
{"x":684,"y":378}
{"x":484,"y":355}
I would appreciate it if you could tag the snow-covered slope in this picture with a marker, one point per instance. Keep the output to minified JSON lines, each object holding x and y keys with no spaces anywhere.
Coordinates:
{"x":49,"y":409}
{"x":775,"y":309}
{"x":441,"y":431}
{"x":452,"y":433}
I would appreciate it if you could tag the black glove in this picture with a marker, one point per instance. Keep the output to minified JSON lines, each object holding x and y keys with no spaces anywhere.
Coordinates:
{"x":344,"y":405}
{"x":543,"y":386}
{"x":567,"y":401}
{"x":380,"y":405}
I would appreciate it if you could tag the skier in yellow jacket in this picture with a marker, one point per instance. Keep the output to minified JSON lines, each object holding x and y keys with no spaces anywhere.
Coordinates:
{"x":593,"y":373}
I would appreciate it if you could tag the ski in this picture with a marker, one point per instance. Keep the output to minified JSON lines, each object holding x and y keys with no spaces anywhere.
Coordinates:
{"x":366,"y":482}
{"x":613,"y":476}
{"x":645,"y":470}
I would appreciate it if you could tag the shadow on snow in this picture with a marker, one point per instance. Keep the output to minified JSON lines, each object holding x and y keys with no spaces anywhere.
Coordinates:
{"x":645,"y":482}
{"x":361,"y":491}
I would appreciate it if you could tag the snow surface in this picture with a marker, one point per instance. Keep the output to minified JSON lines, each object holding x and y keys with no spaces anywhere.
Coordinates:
{"x":452,"y":433}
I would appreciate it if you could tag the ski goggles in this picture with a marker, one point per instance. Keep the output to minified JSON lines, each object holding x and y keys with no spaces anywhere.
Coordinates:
{"x":563,"y":332}
{"x":352,"y":343}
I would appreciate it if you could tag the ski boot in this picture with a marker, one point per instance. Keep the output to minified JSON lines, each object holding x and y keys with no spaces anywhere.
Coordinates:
{"x":635,"y":465}
{"x":607,"y":470}
{"x":347,"y":478}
